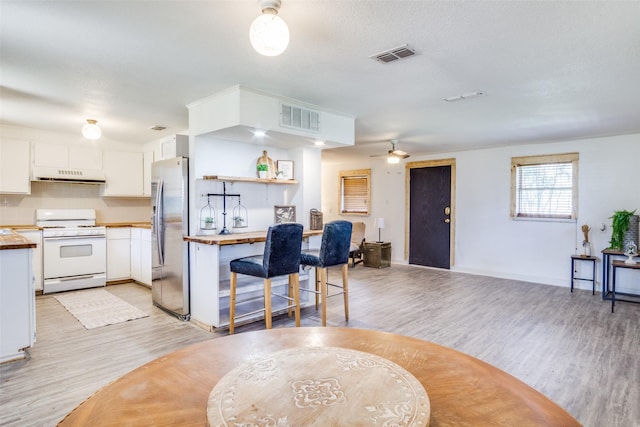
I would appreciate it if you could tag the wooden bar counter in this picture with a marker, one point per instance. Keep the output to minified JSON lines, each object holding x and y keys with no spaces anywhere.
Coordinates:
{"x":173,"y":390}
{"x":240,"y":238}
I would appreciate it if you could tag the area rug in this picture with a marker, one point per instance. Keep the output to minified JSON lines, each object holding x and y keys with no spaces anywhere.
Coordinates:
{"x":97,"y":307}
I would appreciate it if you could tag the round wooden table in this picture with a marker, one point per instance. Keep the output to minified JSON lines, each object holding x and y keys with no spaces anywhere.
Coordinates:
{"x":173,"y":390}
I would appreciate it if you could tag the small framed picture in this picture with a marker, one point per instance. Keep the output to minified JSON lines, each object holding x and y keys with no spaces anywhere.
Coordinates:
{"x":286,"y":167}
{"x":284,"y":214}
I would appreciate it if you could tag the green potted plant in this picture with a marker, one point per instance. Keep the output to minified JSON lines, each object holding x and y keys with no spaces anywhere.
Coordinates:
{"x":619,"y":226}
{"x":237,"y":221}
{"x":208,"y":222}
{"x":262,"y":170}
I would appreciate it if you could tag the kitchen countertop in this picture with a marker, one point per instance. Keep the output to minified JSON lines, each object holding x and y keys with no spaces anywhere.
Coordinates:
{"x":21,"y":227}
{"x":9,"y":239}
{"x":240,"y":238}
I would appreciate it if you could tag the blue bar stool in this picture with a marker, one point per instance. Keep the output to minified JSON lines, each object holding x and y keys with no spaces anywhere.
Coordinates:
{"x":281,"y":257}
{"x":334,"y":250}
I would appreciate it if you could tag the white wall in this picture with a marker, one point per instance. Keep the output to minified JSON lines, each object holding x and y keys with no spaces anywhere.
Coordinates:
{"x":20,"y":209}
{"x":215,"y":156}
{"x":487,"y":240}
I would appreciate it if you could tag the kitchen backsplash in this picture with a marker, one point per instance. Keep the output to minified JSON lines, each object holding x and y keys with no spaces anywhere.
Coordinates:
{"x":21,"y":210}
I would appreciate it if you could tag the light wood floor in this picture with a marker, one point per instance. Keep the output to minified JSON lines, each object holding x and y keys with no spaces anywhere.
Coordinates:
{"x":568,"y":346}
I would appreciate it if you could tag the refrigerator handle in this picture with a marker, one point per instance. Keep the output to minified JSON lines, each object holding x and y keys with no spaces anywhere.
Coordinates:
{"x":158,"y":219}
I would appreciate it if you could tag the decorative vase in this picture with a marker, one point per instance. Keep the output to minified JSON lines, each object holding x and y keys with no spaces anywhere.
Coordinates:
{"x":631,"y":236}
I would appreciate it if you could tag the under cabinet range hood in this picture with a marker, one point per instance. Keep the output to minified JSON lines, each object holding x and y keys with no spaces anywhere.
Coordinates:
{"x":74,"y":176}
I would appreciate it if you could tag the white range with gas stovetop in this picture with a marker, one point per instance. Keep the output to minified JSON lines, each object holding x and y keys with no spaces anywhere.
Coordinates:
{"x":74,"y":249}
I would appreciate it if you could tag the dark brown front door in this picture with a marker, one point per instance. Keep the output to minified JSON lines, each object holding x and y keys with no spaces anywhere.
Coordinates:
{"x":430,"y":216}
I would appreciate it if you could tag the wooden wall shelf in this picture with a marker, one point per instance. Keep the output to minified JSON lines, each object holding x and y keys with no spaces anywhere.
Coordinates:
{"x":245,"y":179}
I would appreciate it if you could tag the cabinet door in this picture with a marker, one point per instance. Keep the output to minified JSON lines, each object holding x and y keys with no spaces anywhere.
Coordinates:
{"x":50,"y":155}
{"x":145,"y":256}
{"x":123,"y":173}
{"x":146,"y":169}
{"x":36,"y":237}
{"x":14,"y":167}
{"x":85,"y":157}
{"x":135,"y":255}
{"x":118,"y":254}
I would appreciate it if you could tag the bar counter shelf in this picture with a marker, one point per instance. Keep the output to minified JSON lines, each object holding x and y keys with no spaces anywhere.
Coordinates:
{"x":247,"y":179}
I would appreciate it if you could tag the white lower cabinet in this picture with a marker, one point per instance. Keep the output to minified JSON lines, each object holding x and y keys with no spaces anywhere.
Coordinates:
{"x":17,"y":312}
{"x":118,"y":253}
{"x":141,"y":255}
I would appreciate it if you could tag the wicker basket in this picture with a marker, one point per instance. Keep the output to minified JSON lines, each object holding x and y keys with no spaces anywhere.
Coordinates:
{"x":315,"y":219}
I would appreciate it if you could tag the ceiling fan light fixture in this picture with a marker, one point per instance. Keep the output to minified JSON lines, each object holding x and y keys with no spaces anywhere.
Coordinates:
{"x":269,"y":34}
{"x":392,"y":159}
{"x":91,"y":130}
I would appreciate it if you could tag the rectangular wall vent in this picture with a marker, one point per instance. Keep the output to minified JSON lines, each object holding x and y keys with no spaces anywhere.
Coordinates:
{"x":295,"y":117}
{"x":394,"y":54}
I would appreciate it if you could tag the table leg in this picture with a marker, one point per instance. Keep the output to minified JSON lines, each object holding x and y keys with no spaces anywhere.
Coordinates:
{"x":572,"y":272}
{"x":593,"y":276}
{"x":613,"y":289}
{"x":605,"y":275}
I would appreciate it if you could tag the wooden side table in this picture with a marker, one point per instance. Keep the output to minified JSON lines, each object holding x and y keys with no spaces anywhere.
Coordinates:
{"x":377,"y":254}
{"x":591,"y":259}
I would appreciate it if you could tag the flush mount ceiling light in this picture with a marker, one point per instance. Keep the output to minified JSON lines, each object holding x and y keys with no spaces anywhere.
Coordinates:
{"x":269,"y":33}
{"x":91,"y":130}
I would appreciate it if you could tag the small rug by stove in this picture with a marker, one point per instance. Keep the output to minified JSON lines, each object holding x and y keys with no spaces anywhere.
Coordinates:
{"x":97,"y":307}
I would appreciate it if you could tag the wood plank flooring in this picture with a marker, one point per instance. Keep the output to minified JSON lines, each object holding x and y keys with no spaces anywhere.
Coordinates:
{"x":568,"y":346}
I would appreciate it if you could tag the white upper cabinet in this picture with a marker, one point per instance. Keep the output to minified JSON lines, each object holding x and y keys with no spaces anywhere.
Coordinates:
{"x":85,"y":157}
{"x":67,"y":156}
{"x":146,"y":180}
{"x":14,"y":166}
{"x":124,"y":173}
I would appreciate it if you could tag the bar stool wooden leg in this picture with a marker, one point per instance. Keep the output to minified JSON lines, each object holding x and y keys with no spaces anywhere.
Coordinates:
{"x":323,"y":294}
{"x":294,"y":280}
{"x":267,"y":303}
{"x":290,"y":295}
{"x":345,"y":290}
{"x":317,"y":286}
{"x":232,"y":301}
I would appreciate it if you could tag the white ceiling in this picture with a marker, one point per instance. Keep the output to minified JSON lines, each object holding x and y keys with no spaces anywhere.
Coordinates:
{"x":551,"y":70}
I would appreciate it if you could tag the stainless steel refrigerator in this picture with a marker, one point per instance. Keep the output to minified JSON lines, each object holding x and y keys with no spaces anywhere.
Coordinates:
{"x":169,"y":224}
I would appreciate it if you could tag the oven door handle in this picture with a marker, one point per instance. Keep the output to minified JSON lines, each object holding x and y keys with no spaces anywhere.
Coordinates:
{"x":159,"y":226}
{"x":48,"y":239}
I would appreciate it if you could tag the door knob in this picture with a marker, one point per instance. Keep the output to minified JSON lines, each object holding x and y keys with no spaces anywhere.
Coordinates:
{"x":447,"y":210}
{"x":447,"y":220}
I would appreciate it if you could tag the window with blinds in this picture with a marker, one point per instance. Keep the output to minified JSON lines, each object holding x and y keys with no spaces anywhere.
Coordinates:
{"x":544,"y":186}
{"x":355,"y":191}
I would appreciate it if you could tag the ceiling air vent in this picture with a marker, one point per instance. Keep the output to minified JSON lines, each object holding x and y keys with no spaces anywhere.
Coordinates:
{"x":394,"y":54}
{"x":295,"y":117}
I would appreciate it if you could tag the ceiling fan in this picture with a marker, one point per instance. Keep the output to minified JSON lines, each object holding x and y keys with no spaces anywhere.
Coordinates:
{"x":394,"y":155}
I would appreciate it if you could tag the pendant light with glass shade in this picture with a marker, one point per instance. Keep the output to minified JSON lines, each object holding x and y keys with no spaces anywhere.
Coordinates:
{"x":91,"y":130}
{"x":269,"y":34}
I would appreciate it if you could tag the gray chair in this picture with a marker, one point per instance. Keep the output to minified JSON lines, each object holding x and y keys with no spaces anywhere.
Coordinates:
{"x":356,"y":252}
{"x":281,"y":257}
{"x":334,"y":250}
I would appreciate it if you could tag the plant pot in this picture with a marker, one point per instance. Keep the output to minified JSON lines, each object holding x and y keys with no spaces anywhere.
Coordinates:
{"x":262,"y":174}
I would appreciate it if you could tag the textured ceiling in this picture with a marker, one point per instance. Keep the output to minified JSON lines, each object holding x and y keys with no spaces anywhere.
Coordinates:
{"x":551,"y":70}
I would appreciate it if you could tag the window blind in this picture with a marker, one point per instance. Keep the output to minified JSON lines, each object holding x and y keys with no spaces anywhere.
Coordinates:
{"x":355,"y":194}
{"x":545,"y":190}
